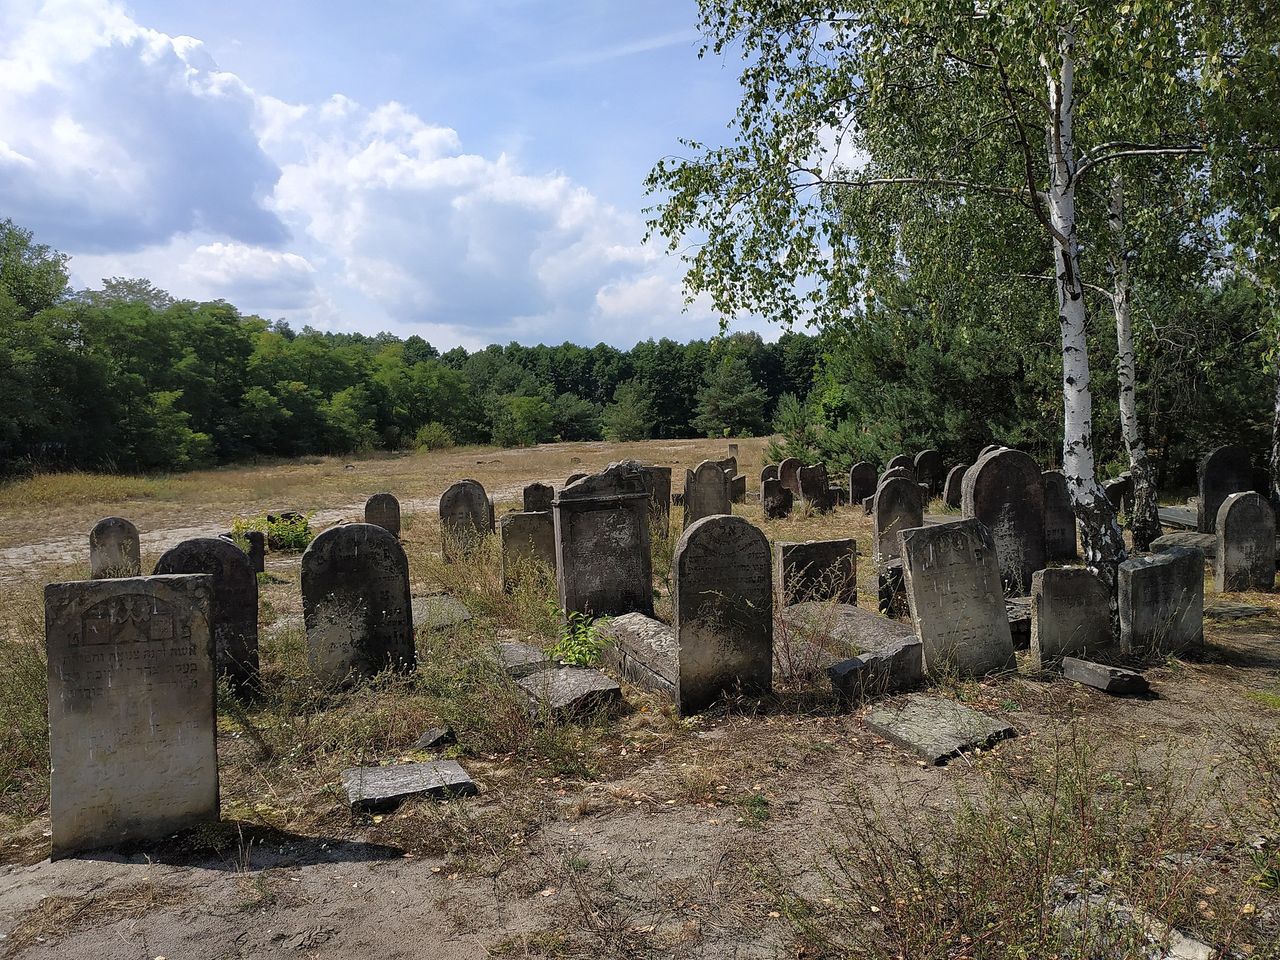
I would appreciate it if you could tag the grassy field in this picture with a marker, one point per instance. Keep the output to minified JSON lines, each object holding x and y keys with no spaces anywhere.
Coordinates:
{"x":778,"y":828}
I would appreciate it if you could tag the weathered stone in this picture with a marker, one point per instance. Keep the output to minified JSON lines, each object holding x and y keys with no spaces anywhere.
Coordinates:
{"x":929,"y":469}
{"x":1018,"y":612}
{"x":897,"y":507}
{"x":706,"y":492}
{"x":233,"y":614}
{"x":776,"y":500}
{"x":733,"y":450}
{"x":1219,"y":609}
{"x":872,"y":655}
{"x":464,"y":519}
{"x":574,"y":478}
{"x":839,"y":496}
{"x":1060,"y":540}
{"x":723,"y":603}
{"x":528,"y":541}
{"x":436,"y":738}
{"x":1113,"y":680}
{"x":1119,"y":491}
{"x":862,"y":481}
{"x":901,"y":460}
{"x":131,"y":710}
{"x":603,"y":560}
{"x":951,"y":489}
{"x":1161,"y":600}
{"x":643,"y":651}
{"x":1070,"y":614}
{"x":738,"y":488}
{"x":356,"y":605}
{"x":114,"y":549}
{"x":567,"y":693}
{"x":953,"y":589}
{"x":657,"y":481}
{"x":868,"y":504}
{"x":729,"y":465}
{"x":1206,"y":543}
{"x":893,"y":473}
{"x":789,"y":474}
{"x":770,"y":472}
{"x":439,"y":611}
{"x":815,"y":488}
{"x":990,"y":448}
{"x":521,"y":659}
{"x":383,"y":510}
{"x":891,"y":596}
{"x":816,"y":570}
{"x":1223,"y":471}
{"x":372,"y":789}
{"x":1180,"y":518}
{"x":937,"y":729}
{"x":1246,"y":542}
{"x":1003,"y":491}
{"x":257,"y":551}
{"x":538,"y":497}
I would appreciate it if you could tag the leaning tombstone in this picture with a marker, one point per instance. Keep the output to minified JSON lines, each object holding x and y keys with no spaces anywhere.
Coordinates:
{"x":1161,"y":600}
{"x":815,"y":489}
{"x":722,"y":598}
{"x":789,"y":474}
{"x":897,"y":507}
{"x":383,"y":510}
{"x":603,"y":561}
{"x":1070,"y":615}
{"x":233,"y":615}
{"x":1223,"y":471}
{"x":464,"y":518}
{"x":770,"y":472}
{"x":956,"y":601}
{"x":862,"y":481}
{"x":776,"y":499}
{"x":816,"y":571}
{"x":538,"y":497}
{"x":1059,"y":518}
{"x":356,"y":604}
{"x":527,"y":539}
{"x":114,"y":549}
{"x":1004,"y":492}
{"x":132,"y":724}
{"x":1246,"y":541}
{"x":951,"y":488}
{"x":929,"y":469}
{"x":706,"y":492}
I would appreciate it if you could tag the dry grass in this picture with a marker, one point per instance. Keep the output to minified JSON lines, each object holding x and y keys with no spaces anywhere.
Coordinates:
{"x":55,"y":917}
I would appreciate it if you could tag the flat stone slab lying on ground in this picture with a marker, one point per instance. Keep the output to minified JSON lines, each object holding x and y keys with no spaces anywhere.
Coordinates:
{"x":866,"y":654}
{"x":1233,"y":610}
{"x":439,"y":612}
{"x":521,"y":659}
{"x":1184,"y":518}
{"x":642,"y":650}
{"x":937,"y":729}
{"x":564,"y":693}
{"x":382,"y":788}
{"x":1113,"y":680}
{"x":435,"y":738}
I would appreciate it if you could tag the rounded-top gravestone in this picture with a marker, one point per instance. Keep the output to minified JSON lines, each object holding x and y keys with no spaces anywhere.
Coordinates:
{"x":706,"y":492}
{"x":770,"y":472}
{"x":789,"y":474}
{"x":775,"y":499}
{"x":1223,"y":471}
{"x":929,"y":470}
{"x":383,"y":509}
{"x":1246,"y":535}
{"x":1004,"y":491}
{"x":815,"y":488}
{"x":951,"y":489}
{"x":898,"y":506}
{"x":465,"y":518}
{"x":114,"y":550}
{"x":862,"y":481}
{"x":901,"y":460}
{"x":897,"y":473}
{"x":538,"y":497}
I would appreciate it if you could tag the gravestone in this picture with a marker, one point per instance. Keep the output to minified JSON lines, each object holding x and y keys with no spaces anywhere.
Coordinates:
{"x":929,"y":469}
{"x":658,"y":483}
{"x":1060,"y":542}
{"x":730,"y":466}
{"x":937,"y":729}
{"x":574,"y":478}
{"x":374,"y":789}
{"x":1161,"y":599}
{"x":706,"y":492}
{"x":383,"y":510}
{"x":903,"y":473}
{"x":356,"y":604}
{"x":953,"y":591}
{"x":1223,"y":471}
{"x":465,"y":518}
{"x":815,"y":489}
{"x":114,"y":549}
{"x":1119,"y":492}
{"x":257,"y":551}
{"x":233,"y":614}
{"x":603,"y":561}
{"x":897,"y":507}
{"x":722,"y":597}
{"x":770,"y":472}
{"x":527,"y":539}
{"x":538,"y":497}
{"x":131,"y":710}
{"x":1070,"y":615}
{"x":951,"y":489}
{"x":733,"y":450}
{"x":990,"y":448}
{"x":775,"y":499}
{"x":901,"y":460}
{"x":1005,"y":494}
{"x":862,"y":481}
{"x":1246,"y":544}
{"x":789,"y":474}
{"x":738,"y":488}
{"x":815,"y":571}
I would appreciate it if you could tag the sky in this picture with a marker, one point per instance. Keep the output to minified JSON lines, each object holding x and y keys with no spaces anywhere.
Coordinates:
{"x":471,"y":172}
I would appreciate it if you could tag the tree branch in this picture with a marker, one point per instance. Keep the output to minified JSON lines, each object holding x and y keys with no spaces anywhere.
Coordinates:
{"x":1027,"y":163}
{"x":1136,"y":150}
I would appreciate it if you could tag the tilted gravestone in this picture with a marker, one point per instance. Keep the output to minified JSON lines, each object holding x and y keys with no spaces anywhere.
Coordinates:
{"x":789,"y":474}
{"x":603,"y":562}
{"x":770,"y":472}
{"x":1161,"y":600}
{"x":528,"y":539}
{"x":956,"y":601}
{"x":1004,"y":492}
{"x":114,"y":549}
{"x":815,"y":489}
{"x":722,"y":598}
{"x":775,"y":499}
{"x":1223,"y":471}
{"x":356,"y":604}
{"x":897,"y":507}
{"x":929,"y":469}
{"x":862,"y":481}
{"x":706,"y":492}
{"x":1060,"y":541}
{"x":383,"y":509}
{"x":816,"y":571}
{"x":233,"y":616}
{"x":952,"y":487}
{"x":538,"y":497}
{"x":1070,"y":615}
{"x":901,"y":460}
{"x":465,"y":518}
{"x":1246,"y":542}
{"x":131,"y":710}
{"x":658,"y":483}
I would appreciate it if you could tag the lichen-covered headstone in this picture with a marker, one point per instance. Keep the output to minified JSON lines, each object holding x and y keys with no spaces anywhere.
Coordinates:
{"x":131,"y":710}
{"x":1223,"y":471}
{"x":775,"y":499}
{"x":356,"y":604}
{"x":862,"y":481}
{"x":789,"y":474}
{"x":929,"y":469}
{"x":1070,"y":615}
{"x":723,"y":601}
{"x":114,"y":549}
{"x":234,"y":611}
{"x":528,"y":539}
{"x":1060,"y":541}
{"x":816,"y":571}
{"x":538,"y":497}
{"x":706,"y":492}
{"x":952,"y":487}
{"x":1161,"y":600}
{"x":383,"y":509}
{"x":1246,"y":544}
{"x":897,"y":507}
{"x":1004,"y":492}
{"x":465,"y":518}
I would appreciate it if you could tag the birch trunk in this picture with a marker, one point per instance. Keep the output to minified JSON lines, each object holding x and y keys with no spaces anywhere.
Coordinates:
{"x":1101,"y":538}
{"x":1144,"y":525}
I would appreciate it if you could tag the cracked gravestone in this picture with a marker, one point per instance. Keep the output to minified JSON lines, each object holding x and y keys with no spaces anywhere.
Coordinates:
{"x":568,"y":693}
{"x":937,"y":729}
{"x":370,"y":789}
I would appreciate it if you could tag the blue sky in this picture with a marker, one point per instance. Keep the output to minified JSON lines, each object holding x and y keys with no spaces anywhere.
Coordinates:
{"x":468,"y":171}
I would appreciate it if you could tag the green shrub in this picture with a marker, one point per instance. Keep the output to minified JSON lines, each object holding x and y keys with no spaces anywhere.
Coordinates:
{"x":433,"y":436}
{"x":289,"y":531}
{"x":580,"y":642}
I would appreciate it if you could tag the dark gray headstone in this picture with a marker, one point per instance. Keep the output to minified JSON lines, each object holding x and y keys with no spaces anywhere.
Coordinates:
{"x":658,"y":483}
{"x":729,"y":465}
{"x":929,"y":469}
{"x":1004,"y":492}
{"x":370,"y":789}
{"x":723,"y":601}
{"x":574,"y":478}
{"x":1119,"y":492}
{"x":1246,"y":544}
{"x":937,"y":729}
{"x":383,"y":509}
{"x":1060,"y":541}
{"x":862,"y":481}
{"x":815,"y":488}
{"x":738,"y":488}
{"x":1161,"y":599}
{"x":769,"y":473}
{"x":538,"y":497}
{"x":901,"y":460}
{"x":898,"y":473}
{"x":951,"y":488}
{"x":706,"y":492}
{"x":789,"y":474}
{"x":464,"y":518}
{"x":1070,"y":615}
{"x":114,"y":549}
{"x":897,"y":507}
{"x":776,"y":500}
{"x":356,"y":604}
{"x":816,"y":570}
{"x":1223,"y":471}
{"x":257,"y":551}
{"x":233,"y":616}
{"x":528,"y":540}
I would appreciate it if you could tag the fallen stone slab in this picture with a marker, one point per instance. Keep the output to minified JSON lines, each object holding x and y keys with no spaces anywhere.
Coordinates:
{"x":1114,"y":680}
{"x":937,"y":729}
{"x":521,"y":659}
{"x":371,"y":789}
{"x":1233,"y":610}
{"x":868,"y":655}
{"x":566,"y":693}
{"x":1206,"y":542}
{"x":1100,"y":923}
{"x":1183,"y":518}
{"x":642,"y":650}
{"x":435,"y":738}
{"x":439,"y":612}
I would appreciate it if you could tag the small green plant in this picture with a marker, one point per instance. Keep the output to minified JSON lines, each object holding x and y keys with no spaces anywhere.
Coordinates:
{"x":288,"y":531}
{"x":433,"y":436}
{"x":580,"y":642}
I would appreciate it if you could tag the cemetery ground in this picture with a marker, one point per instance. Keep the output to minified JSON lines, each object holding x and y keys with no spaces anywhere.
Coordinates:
{"x":760,"y":828}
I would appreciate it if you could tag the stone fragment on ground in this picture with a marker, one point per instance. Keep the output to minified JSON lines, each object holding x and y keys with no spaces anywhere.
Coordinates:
{"x":1114,"y":680}
{"x":1233,"y":610}
{"x":436,"y":738}
{"x":867,"y":654}
{"x":1018,"y":609}
{"x":520,"y":659}
{"x":1100,"y":923}
{"x":937,"y":729}
{"x":567,"y":693}
{"x":642,"y":650}
{"x":439,"y":612}
{"x":371,"y":789}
